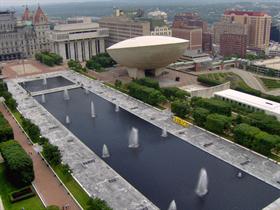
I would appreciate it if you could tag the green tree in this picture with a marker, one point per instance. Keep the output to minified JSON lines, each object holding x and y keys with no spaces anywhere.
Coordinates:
{"x":97,"y":204}
{"x":19,"y":164}
{"x":217,"y":123}
{"x":52,"y":154}
{"x":180,"y":108}
{"x":200,"y":115}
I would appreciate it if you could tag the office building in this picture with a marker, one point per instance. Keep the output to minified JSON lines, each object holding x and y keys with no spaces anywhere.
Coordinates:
{"x":193,"y":34}
{"x":79,"y":41}
{"x":228,"y":27}
{"x":122,"y":28}
{"x":233,"y":45}
{"x":207,"y":42}
{"x":258,"y":23}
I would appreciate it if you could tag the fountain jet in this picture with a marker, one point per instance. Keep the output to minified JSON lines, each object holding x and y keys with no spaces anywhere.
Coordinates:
{"x":164,"y":132}
{"x":202,"y":184}
{"x":105,"y":151}
{"x":92,"y":108}
{"x":43,"y":98}
{"x":66,"y":95}
{"x":172,"y":205}
{"x":86,"y":91}
{"x":67,"y":120}
{"x":44,"y":81}
{"x":133,"y":141}
{"x":117,"y":108}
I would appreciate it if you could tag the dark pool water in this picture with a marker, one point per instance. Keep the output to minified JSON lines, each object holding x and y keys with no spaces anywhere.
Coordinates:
{"x":162,"y":169}
{"x":52,"y":82}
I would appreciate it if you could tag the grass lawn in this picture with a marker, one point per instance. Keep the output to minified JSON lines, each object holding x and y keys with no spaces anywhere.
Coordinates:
{"x":33,"y":203}
{"x":270,"y":83}
{"x":72,"y":186}
{"x":234,"y":79}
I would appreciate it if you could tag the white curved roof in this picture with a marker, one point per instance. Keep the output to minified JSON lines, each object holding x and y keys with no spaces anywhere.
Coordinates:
{"x":144,"y":41}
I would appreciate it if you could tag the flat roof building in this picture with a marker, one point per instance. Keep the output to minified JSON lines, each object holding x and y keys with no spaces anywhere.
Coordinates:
{"x":122,"y":28}
{"x":233,"y":45}
{"x":78,"y":41}
{"x":249,"y":101}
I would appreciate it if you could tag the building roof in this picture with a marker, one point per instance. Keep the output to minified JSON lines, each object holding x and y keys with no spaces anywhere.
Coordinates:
{"x":144,"y":41}
{"x":249,"y":13}
{"x":75,"y":26}
{"x":39,"y":16}
{"x":26,"y":14}
{"x":273,"y":63}
{"x":250,"y":100}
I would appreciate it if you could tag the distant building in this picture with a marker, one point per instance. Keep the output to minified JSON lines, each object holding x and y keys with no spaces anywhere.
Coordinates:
{"x":270,"y":67}
{"x":207,"y":42}
{"x":189,"y":19}
{"x":274,"y":50}
{"x":233,"y":44}
{"x":228,"y":27}
{"x":258,"y":23}
{"x":275,"y":33}
{"x":78,"y":41}
{"x":158,"y":15}
{"x":84,"y":19}
{"x":159,"y":28}
{"x":122,"y":28}
{"x":21,"y":39}
{"x":193,"y":34}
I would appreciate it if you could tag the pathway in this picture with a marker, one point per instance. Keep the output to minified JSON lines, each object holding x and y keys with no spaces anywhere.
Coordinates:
{"x":48,"y":186}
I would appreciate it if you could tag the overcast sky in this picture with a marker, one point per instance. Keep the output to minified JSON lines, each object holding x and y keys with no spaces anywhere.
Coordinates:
{"x":29,"y":2}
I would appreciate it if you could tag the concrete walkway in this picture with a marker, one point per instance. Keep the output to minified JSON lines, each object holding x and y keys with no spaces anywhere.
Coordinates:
{"x":47,"y":185}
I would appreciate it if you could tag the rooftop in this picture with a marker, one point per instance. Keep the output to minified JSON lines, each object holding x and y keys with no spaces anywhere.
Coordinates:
{"x":250,"y":100}
{"x":75,"y":26}
{"x":273,"y":63}
{"x":143,"y":41}
{"x":249,"y":13}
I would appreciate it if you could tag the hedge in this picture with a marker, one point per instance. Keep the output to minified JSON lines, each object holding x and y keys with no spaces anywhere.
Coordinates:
{"x":180,"y":108}
{"x":217,"y":123}
{"x":19,"y":164}
{"x":22,"y":194}
{"x":215,"y":106}
{"x":50,"y":59}
{"x":200,"y":116}
{"x":146,"y":94}
{"x":148,"y":82}
{"x":211,"y":82}
{"x":6,"y":132}
{"x":173,"y":93}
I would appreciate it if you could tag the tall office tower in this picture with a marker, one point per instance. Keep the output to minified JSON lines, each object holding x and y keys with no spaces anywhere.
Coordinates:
{"x":258,"y":24}
{"x":233,"y":44}
{"x":122,"y":28}
{"x":228,"y":27}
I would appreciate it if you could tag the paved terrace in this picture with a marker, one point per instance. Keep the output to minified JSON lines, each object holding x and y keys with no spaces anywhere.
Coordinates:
{"x":98,"y":179}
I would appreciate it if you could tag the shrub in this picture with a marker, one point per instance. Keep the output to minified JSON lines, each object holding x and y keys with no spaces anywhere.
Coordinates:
{"x":6,"y":132}
{"x":31,"y":129}
{"x":264,"y":142}
{"x":97,"y":204}
{"x":217,"y":123}
{"x":146,"y":94}
{"x":180,"y":108}
{"x":75,"y":66}
{"x":19,"y":164}
{"x":200,"y":115}
{"x":264,"y":122}
{"x":206,"y":80}
{"x":215,"y":106}
{"x":52,"y":154}
{"x":148,"y":82}
{"x":102,"y":60}
{"x":174,"y":93}
{"x":49,"y":59}
{"x":244,"y":134}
